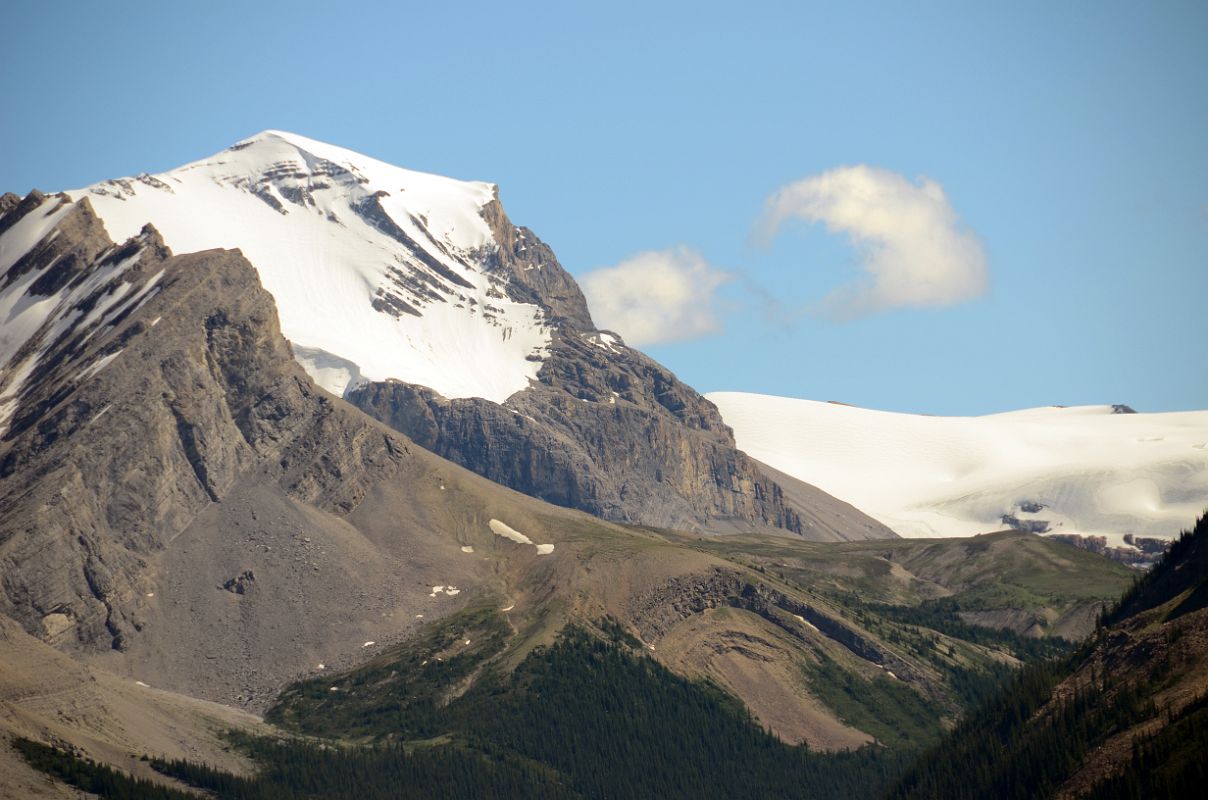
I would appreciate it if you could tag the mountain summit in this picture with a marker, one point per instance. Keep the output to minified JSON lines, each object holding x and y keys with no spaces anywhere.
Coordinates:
{"x":415,"y":298}
{"x":378,"y":272}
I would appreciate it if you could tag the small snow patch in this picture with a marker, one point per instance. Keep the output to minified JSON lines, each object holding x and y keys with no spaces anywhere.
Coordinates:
{"x":508,"y":532}
{"x":605,"y":341}
{"x":140,"y":683}
{"x":97,"y":366}
{"x":448,"y":590}
{"x":467,"y":549}
{"x":509,"y":608}
{"x":805,"y":622}
{"x":368,"y":644}
{"x":321,"y":666}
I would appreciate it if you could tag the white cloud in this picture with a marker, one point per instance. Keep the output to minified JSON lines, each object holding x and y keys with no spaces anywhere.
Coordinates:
{"x":655,"y":297}
{"x":909,"y":240}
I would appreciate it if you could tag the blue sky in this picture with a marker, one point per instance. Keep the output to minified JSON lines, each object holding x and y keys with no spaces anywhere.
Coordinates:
{"x":1065,"y":142}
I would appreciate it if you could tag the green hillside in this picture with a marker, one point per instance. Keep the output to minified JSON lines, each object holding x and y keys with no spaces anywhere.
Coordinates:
{"x":1123,"y":717}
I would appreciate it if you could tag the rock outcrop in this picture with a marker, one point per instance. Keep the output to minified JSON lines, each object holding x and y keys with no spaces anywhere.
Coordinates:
{"x":604,"y":429}
{"x":137,"y":414}
{"x":179,"y":498}
{"x":480,"y":345}
{"x":660,"y":609}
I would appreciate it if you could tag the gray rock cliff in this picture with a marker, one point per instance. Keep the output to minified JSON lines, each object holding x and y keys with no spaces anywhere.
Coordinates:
{"x":604,"y":429}
{"x":136,"y":419}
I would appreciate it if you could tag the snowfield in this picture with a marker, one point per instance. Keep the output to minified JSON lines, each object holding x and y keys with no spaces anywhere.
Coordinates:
{"x":377,"y":271}
{"x":1081,"y":470}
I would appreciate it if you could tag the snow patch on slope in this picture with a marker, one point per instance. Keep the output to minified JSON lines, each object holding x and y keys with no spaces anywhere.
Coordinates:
{"x":21,"y":314}
{"x":377,"y":271}
{"x":604,"y":340}
{"x":508,"y":532}
{"x":1079,"y":470}
{"x":33,"y":325}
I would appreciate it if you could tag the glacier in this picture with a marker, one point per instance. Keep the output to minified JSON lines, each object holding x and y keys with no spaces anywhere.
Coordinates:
{"x":1079,"y":470}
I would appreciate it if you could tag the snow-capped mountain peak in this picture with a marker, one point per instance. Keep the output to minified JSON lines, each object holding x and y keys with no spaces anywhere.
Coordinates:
{"x":378,"y":272}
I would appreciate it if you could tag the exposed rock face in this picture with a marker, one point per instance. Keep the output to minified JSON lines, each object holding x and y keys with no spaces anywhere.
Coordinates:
{"x":133,"y":421}
{"x":533,"y":270}
{"x":8,"y":201}
{"x":179,"y":500}
{"x":623,"y":456}
{"x":242,"y":583}
{"x":604,"y":429}
{"x":424,"y":280}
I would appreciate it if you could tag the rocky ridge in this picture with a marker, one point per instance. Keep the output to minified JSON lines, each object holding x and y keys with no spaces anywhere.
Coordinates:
{"x":129,"y":426}
{"x":431,"y":311}
{"x":604,"y":428}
